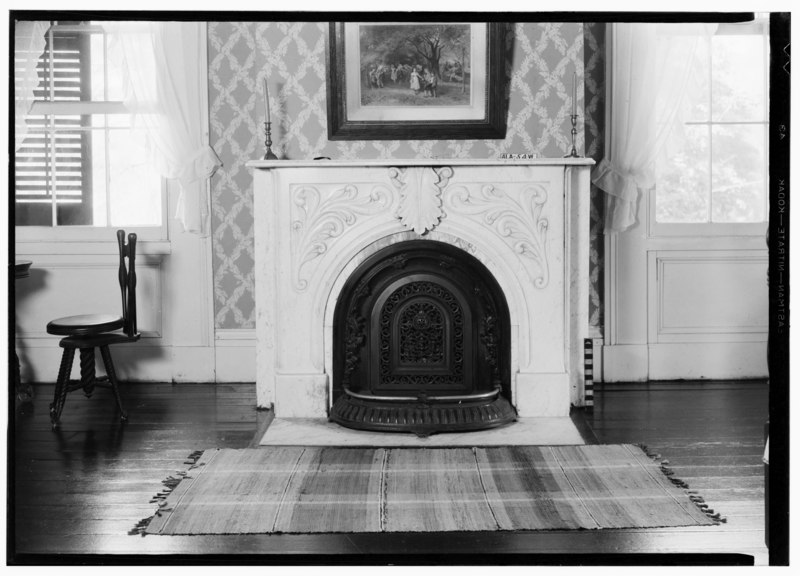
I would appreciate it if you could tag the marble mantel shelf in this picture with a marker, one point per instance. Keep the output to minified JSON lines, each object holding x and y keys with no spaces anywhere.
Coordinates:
{"x":267,"y":164}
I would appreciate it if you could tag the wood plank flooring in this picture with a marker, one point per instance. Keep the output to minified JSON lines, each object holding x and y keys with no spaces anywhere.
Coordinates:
{"x":712,"y":435}
{"x":76,"y":493}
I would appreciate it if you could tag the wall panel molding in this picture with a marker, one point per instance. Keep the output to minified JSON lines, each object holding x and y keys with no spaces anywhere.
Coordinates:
{"x":707,"y":296}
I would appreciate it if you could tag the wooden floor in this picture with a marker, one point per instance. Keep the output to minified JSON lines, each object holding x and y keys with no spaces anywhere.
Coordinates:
{"x":78,"y":491}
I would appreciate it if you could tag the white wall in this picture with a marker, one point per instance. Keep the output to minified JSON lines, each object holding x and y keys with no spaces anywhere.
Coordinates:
{"x":684,"y":307}
{"x":174,"y":297}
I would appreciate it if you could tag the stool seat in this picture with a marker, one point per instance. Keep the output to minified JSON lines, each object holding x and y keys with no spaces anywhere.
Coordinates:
{"x":97,"y":340}
{"x":85,"y":324}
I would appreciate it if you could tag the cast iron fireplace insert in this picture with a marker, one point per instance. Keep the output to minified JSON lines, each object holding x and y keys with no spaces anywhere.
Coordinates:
{"x":421,"y":343}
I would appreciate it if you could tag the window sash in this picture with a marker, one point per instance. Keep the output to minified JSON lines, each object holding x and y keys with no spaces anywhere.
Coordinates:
{"x":51,"y":182}
{"x":709,"y":227}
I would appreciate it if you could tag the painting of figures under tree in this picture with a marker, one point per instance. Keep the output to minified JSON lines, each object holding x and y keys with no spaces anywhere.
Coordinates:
{"x":415,"y":64}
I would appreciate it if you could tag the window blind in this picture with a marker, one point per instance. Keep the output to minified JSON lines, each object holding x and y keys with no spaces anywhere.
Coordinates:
{"x":53,"y":166}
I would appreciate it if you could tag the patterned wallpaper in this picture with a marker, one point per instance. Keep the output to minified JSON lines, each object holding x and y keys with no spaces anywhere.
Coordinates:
{"x":291,"y":55}
{"x":594,"y":41}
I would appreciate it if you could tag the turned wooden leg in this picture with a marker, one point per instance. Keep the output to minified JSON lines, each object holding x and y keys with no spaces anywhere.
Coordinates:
{"x":112,"y":378}
{"x":60,"y":395}
{"x":88,"y":371}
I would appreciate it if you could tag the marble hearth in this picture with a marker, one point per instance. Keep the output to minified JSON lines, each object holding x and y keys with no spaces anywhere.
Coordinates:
{"x":526,"y":221}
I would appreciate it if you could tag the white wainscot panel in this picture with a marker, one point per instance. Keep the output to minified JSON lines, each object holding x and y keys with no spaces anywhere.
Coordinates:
{"x":709,"y":296}
{"x":67,"y":285}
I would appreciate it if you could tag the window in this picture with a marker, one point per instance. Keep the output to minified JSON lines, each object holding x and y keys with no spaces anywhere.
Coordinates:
{"x":82,"y":162}
{"x":717,"y":179}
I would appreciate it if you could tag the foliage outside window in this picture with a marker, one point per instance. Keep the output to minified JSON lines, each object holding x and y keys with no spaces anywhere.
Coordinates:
{"x":719,"y":174}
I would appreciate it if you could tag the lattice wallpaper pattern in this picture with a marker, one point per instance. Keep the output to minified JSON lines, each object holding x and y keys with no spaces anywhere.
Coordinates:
{"x":291,"y":55}
{"x":594,"y":40}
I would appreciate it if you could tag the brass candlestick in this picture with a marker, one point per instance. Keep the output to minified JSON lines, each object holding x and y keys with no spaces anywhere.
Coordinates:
{"x":268,"y":142}
{"x":573,"y":153}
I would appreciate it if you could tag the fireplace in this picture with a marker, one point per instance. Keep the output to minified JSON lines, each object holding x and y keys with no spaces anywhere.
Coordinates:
{"x":421,"y":343}
{"x":389,"y":292}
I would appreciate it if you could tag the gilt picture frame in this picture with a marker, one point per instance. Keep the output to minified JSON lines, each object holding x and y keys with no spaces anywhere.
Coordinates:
{"x":416,"y":81}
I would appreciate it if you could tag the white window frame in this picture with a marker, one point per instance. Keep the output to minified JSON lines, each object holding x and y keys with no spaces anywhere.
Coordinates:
{"x":89,"y":233}
{"x":760,"y":26}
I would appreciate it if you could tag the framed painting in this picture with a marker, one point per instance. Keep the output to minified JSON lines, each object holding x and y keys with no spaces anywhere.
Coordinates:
{"x":415,"y":81}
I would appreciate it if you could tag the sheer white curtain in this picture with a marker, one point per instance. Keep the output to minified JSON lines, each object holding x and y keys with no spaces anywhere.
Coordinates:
{"x":651,"y":67}
{"x":161,"y":62}
{"x":29,"y":42}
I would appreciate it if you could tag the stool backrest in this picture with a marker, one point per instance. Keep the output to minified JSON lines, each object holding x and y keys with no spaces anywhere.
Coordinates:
{"x":127,"y":280}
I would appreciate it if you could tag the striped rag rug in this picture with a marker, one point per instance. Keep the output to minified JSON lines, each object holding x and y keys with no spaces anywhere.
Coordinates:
{"x":290,"y":489}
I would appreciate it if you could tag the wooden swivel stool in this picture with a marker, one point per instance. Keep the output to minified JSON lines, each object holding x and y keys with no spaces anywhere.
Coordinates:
{"x":89,"y":331}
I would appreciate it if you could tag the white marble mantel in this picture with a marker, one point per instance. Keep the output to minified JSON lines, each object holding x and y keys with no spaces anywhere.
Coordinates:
{"x":527,"y":220}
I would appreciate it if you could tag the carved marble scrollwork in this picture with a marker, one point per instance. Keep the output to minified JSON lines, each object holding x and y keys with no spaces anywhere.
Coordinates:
{"x":319,"y":217}
{"x":517,"y":220}
{"x":420,"y":207}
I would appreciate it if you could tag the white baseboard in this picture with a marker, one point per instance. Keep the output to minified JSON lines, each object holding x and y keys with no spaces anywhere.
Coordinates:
{"x":691,"y":361}
{"x":624,"y":363}
{"x":236,"y":355}
{"x":137,"y":362}
{"x":236,"y":337}
{"x":192,"y":364}
{"x":597,"y":358}
{"x":708,"y":360}
{"x":233,"y":359}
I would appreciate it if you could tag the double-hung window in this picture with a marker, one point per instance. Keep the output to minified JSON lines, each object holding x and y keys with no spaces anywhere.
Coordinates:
{"x":716,"y":183}
{"x":83,"y":165}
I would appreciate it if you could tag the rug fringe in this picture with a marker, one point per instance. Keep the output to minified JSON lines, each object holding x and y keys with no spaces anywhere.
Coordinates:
{"x":170,"y":483}
{"x":141,"y":526}
{"x":698,"y":500}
